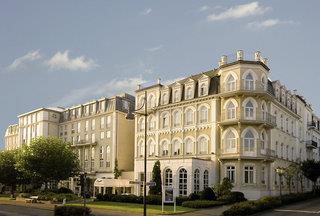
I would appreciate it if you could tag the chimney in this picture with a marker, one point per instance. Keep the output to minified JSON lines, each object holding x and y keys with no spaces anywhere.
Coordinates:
{"x":239,"y":55}
{"x":257,"y":55}
{"x":138,"y":86}
{"x":223,"y":60}
{"x":265,"y":61}
{"x":159,"y":81}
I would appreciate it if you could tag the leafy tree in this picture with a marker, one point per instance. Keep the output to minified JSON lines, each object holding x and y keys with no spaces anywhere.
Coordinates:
{"x":299,"y":176}
{"x":289,"y":174}
{"x":311,"y":170}
{"x":9,"y":175}
{"x":223,"y":188}
{"x":156,"y":177}
{"x":48,"y":160}
{"x":117,"y":173}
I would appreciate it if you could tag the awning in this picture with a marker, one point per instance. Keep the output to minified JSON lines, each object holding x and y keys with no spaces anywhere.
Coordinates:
{"x":112,"y":183}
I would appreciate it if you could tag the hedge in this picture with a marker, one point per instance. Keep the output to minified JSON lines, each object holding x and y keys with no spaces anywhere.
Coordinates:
{"x":233,"y":197}
{"x":202,"y":203}
{"x":150,"y":199}
{"x":71,"y":211}
{"x":50,"y":196}
{"x":252,"y":207}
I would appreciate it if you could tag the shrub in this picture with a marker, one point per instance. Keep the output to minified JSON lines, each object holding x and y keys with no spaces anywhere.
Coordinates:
{"x":207,"y":194}
{"x":202,"y":203}
{"x":233,"y":197}
{"x":65,"y":190}
{"x":180,"y":200}
{"x":24,"y":195}
{"x":193,"y":196}
{"x":224,"y":188}
{"x":71,"y":211}
{"x":154,"y":199}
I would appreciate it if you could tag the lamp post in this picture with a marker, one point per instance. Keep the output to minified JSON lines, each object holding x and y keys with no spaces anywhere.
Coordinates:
{"x":280,"y":172}
{"x":145,"y":114}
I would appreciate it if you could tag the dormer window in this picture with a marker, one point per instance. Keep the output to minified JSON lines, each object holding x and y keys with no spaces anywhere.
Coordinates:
{"x":176,"y":95}
{"x":189,"y":92}
{"x":203,"y":89}
{"x":164,"y":98}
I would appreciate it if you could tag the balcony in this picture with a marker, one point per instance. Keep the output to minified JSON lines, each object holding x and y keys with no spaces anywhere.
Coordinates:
{"x":311,"y":125}
{"x":253,"y":88}
{"x":311,"y":144}
{"x":266,"y":119}
{"x":84,"y":143}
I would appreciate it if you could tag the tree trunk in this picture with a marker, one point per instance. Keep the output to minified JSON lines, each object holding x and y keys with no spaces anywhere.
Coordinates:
{"x":12,"y":190}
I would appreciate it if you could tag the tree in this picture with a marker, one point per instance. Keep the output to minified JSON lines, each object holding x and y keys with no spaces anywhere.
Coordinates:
{"x":156,"y":177}
{"x":117,"y":173}
{"x":311,"y":170}
{"x":48,"y":160}
{"x":9,"y":175}
{"x":224,"y":188}
{"x":289,"y":174}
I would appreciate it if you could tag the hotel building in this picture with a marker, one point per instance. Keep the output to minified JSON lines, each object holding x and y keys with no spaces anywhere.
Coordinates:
{"x":98,"y":131}
{"x":232,"y":121}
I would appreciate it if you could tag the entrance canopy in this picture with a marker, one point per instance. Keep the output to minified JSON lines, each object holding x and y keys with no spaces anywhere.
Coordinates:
{"x":114,"y":183}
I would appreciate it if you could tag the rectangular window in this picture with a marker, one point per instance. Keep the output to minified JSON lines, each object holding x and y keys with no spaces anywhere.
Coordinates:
{"x":87,"y":125}
{"x":109,"y":121}
{"x":79,"y":127}
{"x":263,"y":175}
{"x":248,"y":174}
{"x":93,"y":138}
{"x":231,"y":173}
{"x":102,"y":135}
{"x":102,"y":122}
{"x":93,"y":124}
{"x":108,"y":134}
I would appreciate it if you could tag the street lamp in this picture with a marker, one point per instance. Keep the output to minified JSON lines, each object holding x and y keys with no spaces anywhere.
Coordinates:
{"x":280,"y":172}
{"x":145,"y":114}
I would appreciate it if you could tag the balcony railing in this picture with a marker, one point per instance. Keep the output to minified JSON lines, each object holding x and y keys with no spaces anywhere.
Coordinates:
{"x":258,"y":118}
{"x":244,"y":86}
{"x":312,"y":125}
{"x":311,"y":144}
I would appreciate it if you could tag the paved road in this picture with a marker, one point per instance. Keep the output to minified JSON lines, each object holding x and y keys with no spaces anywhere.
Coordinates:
{"x":11,"y":210}
{"x":306,"y":208}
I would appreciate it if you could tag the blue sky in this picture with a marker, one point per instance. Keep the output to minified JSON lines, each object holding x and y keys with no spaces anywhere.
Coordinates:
{"x":67,"y":52}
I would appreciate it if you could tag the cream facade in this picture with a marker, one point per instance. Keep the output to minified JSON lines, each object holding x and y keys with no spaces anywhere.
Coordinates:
{"x":232,"y":122}
{"x":98,"y":131}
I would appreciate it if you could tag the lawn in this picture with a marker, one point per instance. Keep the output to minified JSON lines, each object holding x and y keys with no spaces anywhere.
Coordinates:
{"x":133,"y":207}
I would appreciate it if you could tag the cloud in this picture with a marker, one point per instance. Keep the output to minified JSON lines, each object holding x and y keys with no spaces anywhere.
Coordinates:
{"x":101,"y":89}
{"x":268,"y":23}
{"x":204,"y":8}
{"x":154,"y":49}
{"x":146,"y":11}
{"x":23,"y":60}
{"x":62,"y":61}
{"x":239,"y":11}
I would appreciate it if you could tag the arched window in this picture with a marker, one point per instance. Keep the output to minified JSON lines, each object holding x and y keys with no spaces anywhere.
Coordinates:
{"x":189,"y":146}
{"x":141,"y":124}
{"x":151,"y":101}
{"x":165,"y":120}
{"x":165,"y":148}
{"x":203,"y":114}
{"x":203,"y":89}
{"x":140,"y":149}
{"x":264,"y":82}
{"x":230,"y":141}
{"x":151,"y":123}
{"x":230,"y":83}
{"x":248,"y":82}
{"x":176,"y":96}
{"x":141,"y":101}
{"x":264,"y":111}
{"x":176,"y":118}
{"x":152,"y":148}
{"x":248,"y":141}
{"x":205,"y":179}
{"x":176,"y":147}
{"x":263,"y":140}
{"x":249,"y":110}
{"x":164,"y":98}
{"x":183,"y":182}
{"x":196,"y":181}
{"x":189,"y":117}
{"x":231,"y":110}
{"x":203,"y":146}
{"x":189,"y":93}
{"x":168,"y":177}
